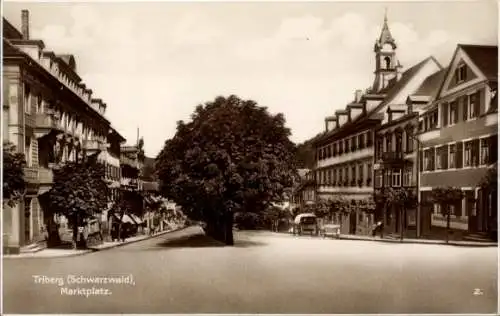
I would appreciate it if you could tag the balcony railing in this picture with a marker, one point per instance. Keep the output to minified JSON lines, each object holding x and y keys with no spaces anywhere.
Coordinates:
{"x":124,"y":160}
{"x":392,"y":156}
{"x":45,"y":176}
{"x":44,"y":123}
{"x":30,"y":174}
{"x":93,"y":144}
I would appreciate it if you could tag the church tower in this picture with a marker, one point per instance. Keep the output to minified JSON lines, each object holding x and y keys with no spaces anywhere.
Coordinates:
{"x":387,"y":65}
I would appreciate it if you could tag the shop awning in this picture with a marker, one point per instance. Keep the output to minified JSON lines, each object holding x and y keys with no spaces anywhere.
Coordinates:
{"x":125,"y":219}
{"x":136,"y":219}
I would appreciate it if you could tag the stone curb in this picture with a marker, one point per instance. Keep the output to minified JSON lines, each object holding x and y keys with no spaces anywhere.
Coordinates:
{"x":427,"y":242}
{"x":87,"y":251}
{"x":137,"y":240}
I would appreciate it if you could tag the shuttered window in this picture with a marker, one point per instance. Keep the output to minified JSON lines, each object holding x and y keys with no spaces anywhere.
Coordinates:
{"x":468,"y":154}
{"x":452,"y":156}
{"x":460,"y":149}
{"x":453,"y":116}
{"x":421,"y":161}
{"x":369,"y":139}
{"x":493,"y":149}
{"x":485,"y":151}
{"x":475,"y":152}
{"x":445,"y":114}
{"x":360,"y":175}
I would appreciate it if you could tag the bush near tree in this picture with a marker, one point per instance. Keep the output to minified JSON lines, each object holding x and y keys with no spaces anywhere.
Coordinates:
{"x":14,"y":185}
{"x":233,"y":156}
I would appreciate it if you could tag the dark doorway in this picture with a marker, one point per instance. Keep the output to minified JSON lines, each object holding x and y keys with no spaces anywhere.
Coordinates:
{"x":27,"y":220}
{"x":352,"y":223}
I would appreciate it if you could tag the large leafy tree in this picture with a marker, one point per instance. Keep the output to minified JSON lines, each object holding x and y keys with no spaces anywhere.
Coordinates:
{"x":402,"y":199}
{"x":446,"y":197}
{"x":79,"y":192}
{"x":14,"y":184}
{"x":233,"y":156}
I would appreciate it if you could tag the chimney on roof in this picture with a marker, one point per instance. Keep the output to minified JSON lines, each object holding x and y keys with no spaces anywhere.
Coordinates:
{"x":25,"y":24}
{"x":357,"y":96}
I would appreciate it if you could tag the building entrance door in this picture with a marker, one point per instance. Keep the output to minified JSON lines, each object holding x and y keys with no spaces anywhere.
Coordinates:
{"x":352,"y":223}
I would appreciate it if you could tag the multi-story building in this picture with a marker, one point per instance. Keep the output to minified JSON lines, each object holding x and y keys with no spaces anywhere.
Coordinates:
{"x":344,"y":159}
{"x":396,"y":158}
{"x":459,"y":138}
{"x":303,"y":193}
{"x":51,"y":117}
{"x":131,"y":167}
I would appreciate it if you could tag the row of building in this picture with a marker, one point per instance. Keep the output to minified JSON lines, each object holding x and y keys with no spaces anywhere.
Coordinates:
{"x":426,"y":127}
{"x":51,"y":116}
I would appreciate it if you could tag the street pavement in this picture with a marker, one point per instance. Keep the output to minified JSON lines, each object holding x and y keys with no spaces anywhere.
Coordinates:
{"x":185,"y":272}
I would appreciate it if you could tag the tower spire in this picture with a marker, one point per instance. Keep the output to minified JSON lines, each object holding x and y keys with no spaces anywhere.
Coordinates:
{"x":385,"y":34}
{"x":387,"y":64}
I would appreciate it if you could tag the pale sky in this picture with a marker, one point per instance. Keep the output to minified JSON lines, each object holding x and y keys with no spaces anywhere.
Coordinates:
{"x":153,"y":62}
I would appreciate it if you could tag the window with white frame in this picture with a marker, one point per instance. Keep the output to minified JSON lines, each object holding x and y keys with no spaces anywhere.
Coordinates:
{"x":452,"y":156}
{"x":439,"y":164}
{"x":378,"y":178}
{"x":427,"y":160}
{"x":468,"y":154}
{"x":437,"y":209}
{"x":387,"y":178}
{"x":471,"y":107}
{"x":485,"y":151}
{"x":396,"y":178}
{"x":27,"y":99}
{"x":407,"y":177}
{"x":461,"y":73}
{"x":360,"y":174}
{"x":361,"y":141}
{"x":453,"y":112}
{"x":27,"y":150}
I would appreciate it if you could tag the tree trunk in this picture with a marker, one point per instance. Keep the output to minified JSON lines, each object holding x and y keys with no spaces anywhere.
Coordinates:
{"x":228,"y":230}
{"x":448,"y":224}
{"x":53,"y":238}
{"x":75,"y":230}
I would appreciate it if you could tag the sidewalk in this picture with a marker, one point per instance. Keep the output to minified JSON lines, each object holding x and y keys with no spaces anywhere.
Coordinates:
{"x":421,"y":241}
{"x":59,"y":253}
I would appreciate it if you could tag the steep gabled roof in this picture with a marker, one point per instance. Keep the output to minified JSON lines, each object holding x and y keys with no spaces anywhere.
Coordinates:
{"x":431,"y":84}
{"x":10,"y":31}
{"x":69,"y":60}
{"x":394,"y":90}
{"x":405,"y":78}
{"x":485,"y":57}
